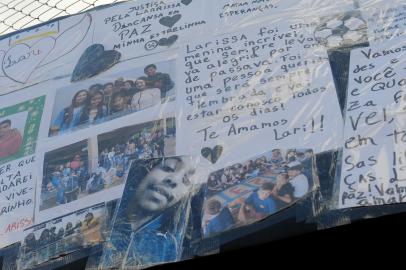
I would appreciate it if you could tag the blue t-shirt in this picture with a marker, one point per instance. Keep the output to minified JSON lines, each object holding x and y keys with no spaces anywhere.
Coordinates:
{"x":265,"y":207}
{"x":222,"y":222}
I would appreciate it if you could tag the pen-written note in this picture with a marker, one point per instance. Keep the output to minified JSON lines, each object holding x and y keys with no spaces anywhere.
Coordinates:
{"x":269,"y":85}
{"x":373,"y":168}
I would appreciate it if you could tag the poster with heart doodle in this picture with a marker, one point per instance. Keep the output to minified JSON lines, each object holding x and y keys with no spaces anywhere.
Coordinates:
{"x":146,"y":27}
{"x":87,"y":44}
{"x":44,"y":52}
{"x":240,"y":91}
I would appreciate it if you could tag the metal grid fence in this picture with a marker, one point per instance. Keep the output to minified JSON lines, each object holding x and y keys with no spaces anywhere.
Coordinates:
{"x":19,"y":14}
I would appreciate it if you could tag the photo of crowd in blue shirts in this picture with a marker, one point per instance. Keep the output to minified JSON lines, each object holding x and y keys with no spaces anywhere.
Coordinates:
{"x":49,"y":240}
{"x":98,"y":101}
{"x":77,"y":170}
{"x":255,"y":189}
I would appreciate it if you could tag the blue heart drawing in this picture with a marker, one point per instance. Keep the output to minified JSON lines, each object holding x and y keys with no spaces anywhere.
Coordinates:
{"x":94,"y":61}
{"x":186,"y":2}
{"x":170,"y":21}
{"x":212,"y":154}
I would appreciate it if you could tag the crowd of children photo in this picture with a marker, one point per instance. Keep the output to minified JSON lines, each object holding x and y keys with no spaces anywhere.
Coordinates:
{"x":284,"y":180}
{"x":53,"y":242}
{"x":102,"y":102}
{"x":145,"y":145}
{"x":70,"y":179}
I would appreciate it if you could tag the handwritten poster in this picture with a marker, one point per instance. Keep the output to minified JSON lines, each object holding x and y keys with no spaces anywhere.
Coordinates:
{"x":68,"y":145}
{"x":143,"y":27}
{"x":233,"y":14}
{"x":386,"y":19}
{"x":19,"y":132}
{"x":373,"y":161}
{"x":87,"y":44}
{"x":265,"y":84}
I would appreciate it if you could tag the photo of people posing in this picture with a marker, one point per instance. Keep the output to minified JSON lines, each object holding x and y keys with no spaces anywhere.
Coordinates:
{"x":19,"y":127}
{"x":76,"y":171}
{"x":63,"y":235}
{"x":152,"y":216}
{"x":252,"y":190}
{"x":99,"y":101}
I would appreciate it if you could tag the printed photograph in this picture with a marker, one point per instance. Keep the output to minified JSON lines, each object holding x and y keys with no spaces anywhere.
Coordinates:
{"x":19,"y":126}
{"x":63,"y":235}
{"x":100,"y":163}
{"x":152,"y":217}
{"x":100,"y":100}
{"x":255,"y":189}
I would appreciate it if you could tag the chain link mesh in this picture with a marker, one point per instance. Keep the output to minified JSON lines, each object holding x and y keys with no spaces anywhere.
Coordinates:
{"x":19,"y":14}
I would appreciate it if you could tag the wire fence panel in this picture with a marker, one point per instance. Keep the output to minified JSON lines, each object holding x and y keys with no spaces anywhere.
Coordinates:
{"x":19,"y":14}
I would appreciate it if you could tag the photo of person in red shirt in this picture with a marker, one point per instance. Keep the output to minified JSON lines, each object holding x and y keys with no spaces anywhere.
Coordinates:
{"x":10,"y":139}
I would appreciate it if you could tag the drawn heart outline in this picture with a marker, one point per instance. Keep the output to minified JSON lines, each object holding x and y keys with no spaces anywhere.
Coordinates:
{"x":86,"y":19}
{"x":186,"y":2}
{"x":168,"y":41}
{"x":94,"y":60}
{"x":170,"y":21}
{"x":212,"y":154}
{"x":21,"y":75}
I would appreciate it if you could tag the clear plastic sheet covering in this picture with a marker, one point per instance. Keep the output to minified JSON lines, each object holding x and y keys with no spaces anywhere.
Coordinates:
{"x":209,"y":120}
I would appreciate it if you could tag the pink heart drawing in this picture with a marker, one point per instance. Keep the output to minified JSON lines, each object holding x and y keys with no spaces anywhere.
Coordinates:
{"x":21,"y":60}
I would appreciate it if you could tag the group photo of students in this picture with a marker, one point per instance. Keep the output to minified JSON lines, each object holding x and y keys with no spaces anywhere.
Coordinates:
{"x":102,"y":101}
{"x":68,"y":234}
{"x":247,"y":192}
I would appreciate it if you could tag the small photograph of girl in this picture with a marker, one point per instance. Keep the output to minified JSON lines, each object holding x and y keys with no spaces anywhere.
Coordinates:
{"x":99,"y":100}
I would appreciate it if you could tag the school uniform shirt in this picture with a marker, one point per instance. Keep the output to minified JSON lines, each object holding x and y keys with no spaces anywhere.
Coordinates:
{"x":153,"y":244}
{"x":60,"y":120}
{"x":286,"y":189}
{"x":145,"y":99}
{"x":10,"y":143}
{"x":220,"y":223}
{"x":167,"y":83}
{"x":300,"y":184}
{"x":264,"y":207}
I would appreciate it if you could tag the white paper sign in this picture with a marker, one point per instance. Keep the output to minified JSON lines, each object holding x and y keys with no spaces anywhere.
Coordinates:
{"x":233,"y":14}
{"x":21,"y":118}
{"x":373,"y":162}
{"x":85,"y":45}
{"x":266,"y":85}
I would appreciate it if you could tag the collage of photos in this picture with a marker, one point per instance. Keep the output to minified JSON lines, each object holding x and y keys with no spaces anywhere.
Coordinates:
{"x":100,"y":163}
{"x":19,"y":127}
{"x":153,"y":214}
{"x":103,"y":100}
{"x":252,"y":190}
{"x":63,"y":235}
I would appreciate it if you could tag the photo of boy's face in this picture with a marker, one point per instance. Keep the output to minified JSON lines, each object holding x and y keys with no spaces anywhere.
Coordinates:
{"x":165,"y":184}
{"x":151,"y":71}
{"x":4,"y":128}
{"x":293,"y":172}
